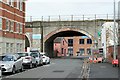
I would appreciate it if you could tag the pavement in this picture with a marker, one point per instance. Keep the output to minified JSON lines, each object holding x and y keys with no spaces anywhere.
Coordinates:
{"x":104,"y":71}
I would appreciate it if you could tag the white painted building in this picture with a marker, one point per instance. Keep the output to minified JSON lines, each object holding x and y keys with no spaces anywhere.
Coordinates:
{"x":107,"y":36}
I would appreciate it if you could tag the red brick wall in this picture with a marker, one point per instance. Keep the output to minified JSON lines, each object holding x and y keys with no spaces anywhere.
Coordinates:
{"x":110,"y":53}
{"x":64,"y":45}
{"x":14,"y":17}
{"x":57,"y":49}
{"x":77,"y":46}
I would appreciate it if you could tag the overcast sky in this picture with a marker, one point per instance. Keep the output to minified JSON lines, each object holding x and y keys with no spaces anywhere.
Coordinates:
{"x":38,"y":8}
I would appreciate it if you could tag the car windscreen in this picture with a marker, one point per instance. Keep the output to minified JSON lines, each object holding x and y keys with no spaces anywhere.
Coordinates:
{"x":22,"y":54}
{"x":34,"y":54}
{"x":8,"y":58}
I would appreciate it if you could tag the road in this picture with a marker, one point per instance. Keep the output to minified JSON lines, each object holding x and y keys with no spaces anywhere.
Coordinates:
{"x":67,"y":69}
{"x":59,"y":68}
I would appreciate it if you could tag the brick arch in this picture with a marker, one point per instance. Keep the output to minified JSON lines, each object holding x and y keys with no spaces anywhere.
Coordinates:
{"x":68,"y":29}
{"x":28,"y":37}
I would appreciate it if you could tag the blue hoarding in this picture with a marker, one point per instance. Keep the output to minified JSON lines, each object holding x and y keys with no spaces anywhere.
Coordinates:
{"x":36,"y":36}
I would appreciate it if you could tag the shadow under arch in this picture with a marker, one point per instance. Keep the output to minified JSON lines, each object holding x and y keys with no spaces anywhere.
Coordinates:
{"x":64,"y":32}
{"x":27,"y":43}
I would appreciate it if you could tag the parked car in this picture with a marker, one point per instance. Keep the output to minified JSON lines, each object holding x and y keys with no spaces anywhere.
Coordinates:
{"x":115,"y":62}
{"x":38,"y":58}
{"x":100,"y":59}
{"x":28,"y":59}
{"x":45,"y":59}
{"x":11,"y":63}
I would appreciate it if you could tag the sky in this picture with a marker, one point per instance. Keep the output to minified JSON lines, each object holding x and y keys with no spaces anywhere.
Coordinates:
{"x":54,"y":8}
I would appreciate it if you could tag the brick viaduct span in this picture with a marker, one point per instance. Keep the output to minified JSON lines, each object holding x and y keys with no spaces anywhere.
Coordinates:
{"x":52,"y":29}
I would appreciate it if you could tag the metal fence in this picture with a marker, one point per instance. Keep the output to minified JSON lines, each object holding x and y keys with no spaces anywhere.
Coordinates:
{"x":71,"y":17}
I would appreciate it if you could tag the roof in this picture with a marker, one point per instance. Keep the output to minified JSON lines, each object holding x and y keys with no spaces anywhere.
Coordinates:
{"x":58,"y":40}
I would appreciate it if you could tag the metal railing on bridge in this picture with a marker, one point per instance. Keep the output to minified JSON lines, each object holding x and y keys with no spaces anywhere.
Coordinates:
{"x":71,"y":17}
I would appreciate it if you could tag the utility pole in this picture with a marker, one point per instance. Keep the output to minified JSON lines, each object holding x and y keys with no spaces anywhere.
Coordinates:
{"x":41,"y":26}
{"x":114,"y":32}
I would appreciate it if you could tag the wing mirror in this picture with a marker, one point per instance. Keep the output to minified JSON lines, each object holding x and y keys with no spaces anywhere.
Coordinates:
{"x":15,"y":59}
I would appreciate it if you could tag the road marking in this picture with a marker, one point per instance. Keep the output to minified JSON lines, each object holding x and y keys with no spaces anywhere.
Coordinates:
{"x":46,"y":65}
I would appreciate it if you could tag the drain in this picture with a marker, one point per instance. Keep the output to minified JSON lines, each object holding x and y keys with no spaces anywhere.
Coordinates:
{"x":58,"y":71}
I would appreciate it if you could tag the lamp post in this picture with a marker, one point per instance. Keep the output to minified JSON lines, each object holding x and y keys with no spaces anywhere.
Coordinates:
{"x":41,"y":25}
{"x":114,"y":57}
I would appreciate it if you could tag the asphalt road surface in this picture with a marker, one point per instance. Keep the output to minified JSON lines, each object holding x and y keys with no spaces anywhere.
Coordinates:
{"x":104,"y":71}
{"x":67,"y":69}
{"x":57,"y":69}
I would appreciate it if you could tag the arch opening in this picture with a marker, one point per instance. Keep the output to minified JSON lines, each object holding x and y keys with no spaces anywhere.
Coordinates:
{"x":49,"y":42}
{"x":27,"y":43}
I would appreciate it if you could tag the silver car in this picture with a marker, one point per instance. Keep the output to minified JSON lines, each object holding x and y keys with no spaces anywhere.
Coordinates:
{"x":45,"y":59}
{"x":28,"y":59}
{"x":11,"y":63}
{"x":38,"y":58}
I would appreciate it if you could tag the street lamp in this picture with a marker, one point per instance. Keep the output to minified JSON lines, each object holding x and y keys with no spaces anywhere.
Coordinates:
{"x":114,"y":57}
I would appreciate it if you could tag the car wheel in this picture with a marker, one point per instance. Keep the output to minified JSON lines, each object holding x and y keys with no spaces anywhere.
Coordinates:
{"x":113,"y":65}
{"x":30,"y":66}
{"x":36,"y":64}
{"x":49,"y":62}
{"x":21,"y":68}
{"x":14,"y":70}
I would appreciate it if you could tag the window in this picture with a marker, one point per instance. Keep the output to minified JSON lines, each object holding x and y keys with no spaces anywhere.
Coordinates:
{"x":9,"y":2}
{"x":12,"y":26}
{"x":21,"y":28}
{"x":11,"y":46}
{"x":12,"y":2}
{"x":7,"y":25}
{"x":89,"y":51}
{"x":63,"y":42}
{"x":17,"y":47}
{"x":20,"y":47}
{"x":70,"y":42}
{"x":7,"y":47}
{"x":17,"y":27}
{"x":81,"y":41}
{"x":17,"y":4}
{"x":70,"y":51}
{"x":82,"y":51}
{"x":89,"y":41}
{"x":62,"y":50}
{"x":0,"y":23}
{"x":21,"y":5}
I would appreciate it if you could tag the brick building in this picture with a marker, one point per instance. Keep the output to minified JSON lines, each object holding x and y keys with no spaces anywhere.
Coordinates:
{"x":78,"y":46}
{"x":73,"y":46}
{"x":12,"y":26}
{"x":60,"y":47}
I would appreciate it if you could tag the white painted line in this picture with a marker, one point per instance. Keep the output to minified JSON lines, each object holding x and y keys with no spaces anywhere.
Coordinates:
{"x":46,"y":65}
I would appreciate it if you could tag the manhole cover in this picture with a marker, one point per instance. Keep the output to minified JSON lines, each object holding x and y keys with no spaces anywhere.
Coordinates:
{"x":58,"y":71}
